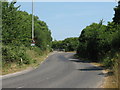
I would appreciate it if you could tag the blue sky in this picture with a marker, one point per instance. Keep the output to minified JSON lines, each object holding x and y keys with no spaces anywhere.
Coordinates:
{"x":67,"y":19}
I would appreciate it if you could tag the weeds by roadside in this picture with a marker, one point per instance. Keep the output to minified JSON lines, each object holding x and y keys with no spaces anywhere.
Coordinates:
{"x":36,"y":56}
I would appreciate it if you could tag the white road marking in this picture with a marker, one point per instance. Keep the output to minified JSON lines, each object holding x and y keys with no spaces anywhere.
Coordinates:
{"x":20,"y":87}
{"x":73,"y":59}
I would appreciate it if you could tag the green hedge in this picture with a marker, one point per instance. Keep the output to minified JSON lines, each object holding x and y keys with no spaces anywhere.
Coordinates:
{"x":15,"y":54}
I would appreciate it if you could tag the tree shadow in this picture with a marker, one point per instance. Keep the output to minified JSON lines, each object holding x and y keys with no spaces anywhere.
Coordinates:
{"x":92,"y":68}
{"x":79,"y":61}
{"x":107,"y":74}
{"x":75,"y":59}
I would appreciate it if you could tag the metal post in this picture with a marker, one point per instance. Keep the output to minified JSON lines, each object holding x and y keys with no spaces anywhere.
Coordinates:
{"x":33,"y":41}
{"x":33,"y":20}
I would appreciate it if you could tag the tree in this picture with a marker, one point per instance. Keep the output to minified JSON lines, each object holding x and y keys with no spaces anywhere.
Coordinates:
{"x":17,"y":33}
{"x":91,"y":41}
{"x":9,"y":19}
{"x":116,"y":18}
{"x":68,"y":44}
{"x":17,"y":27}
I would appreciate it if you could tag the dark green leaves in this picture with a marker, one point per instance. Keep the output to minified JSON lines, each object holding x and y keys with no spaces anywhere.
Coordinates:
{"x":17,"y":33}
{"x":69,"y":44}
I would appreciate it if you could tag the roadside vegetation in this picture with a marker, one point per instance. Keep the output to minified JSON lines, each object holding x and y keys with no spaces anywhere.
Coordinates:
{"x":16,"y":38}
{"x":101,"y":43}
{"x":69,"y":44}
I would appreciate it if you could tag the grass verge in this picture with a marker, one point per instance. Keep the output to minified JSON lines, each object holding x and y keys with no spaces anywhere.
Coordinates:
{"x":33,"y":54}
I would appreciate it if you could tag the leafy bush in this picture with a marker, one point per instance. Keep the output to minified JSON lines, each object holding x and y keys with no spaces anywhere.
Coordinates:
{"x":92,"y":42}
{"x":16,"y":28}
{"x":15,"y":54}
{"x":16,"y":34}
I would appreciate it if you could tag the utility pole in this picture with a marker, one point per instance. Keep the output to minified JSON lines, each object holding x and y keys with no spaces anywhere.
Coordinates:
{"x":33,"y":41}
{"x":32,"y":19}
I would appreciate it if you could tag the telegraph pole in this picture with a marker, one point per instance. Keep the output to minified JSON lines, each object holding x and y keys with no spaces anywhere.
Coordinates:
{"x":32,"y":19}
{"x":33,"y":41}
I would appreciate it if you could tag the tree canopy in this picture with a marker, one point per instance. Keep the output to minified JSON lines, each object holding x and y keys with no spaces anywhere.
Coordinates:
{"x":17,"y":32}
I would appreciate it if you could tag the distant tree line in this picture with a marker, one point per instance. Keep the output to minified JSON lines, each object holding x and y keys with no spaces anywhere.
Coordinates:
{"x":17,"y":33}
{"x":68,"y":44}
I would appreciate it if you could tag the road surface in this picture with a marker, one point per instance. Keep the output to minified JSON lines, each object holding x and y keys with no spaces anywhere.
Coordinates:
{"x":59,"y":70}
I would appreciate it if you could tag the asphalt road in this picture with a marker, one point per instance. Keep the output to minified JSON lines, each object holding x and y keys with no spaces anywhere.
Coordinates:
{"x":59,"y":70}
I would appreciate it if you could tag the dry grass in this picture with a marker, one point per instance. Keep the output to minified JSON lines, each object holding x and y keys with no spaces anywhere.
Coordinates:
{"x":14,"y":67}
{"x":111,"y":79}
{"x":97,"y":64}
{"x":110,"y":82}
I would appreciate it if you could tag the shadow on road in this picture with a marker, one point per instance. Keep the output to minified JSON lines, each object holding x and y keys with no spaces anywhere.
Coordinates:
{"x":79,"y":61}
{"x":88,"y":68}
{"x":106,"y":74}
{"x":92,"y":68}
{"x":75,"y":59}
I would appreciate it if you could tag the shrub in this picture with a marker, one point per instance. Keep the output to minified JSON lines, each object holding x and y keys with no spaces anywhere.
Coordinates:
{"x":15,"y":54}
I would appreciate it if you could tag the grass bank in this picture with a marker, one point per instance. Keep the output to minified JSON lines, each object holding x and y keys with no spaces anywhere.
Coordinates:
{"x":112,"y":79}
{"x":36,"y":56}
